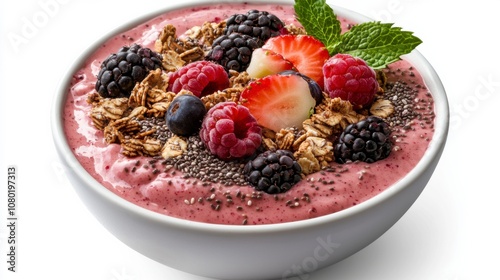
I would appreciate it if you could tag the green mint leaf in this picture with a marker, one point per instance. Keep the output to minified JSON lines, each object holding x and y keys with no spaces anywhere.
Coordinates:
{"x":379,"y":44}
{"x":319,"y":20}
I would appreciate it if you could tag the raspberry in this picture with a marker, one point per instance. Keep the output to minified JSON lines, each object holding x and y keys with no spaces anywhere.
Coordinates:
{"x":229,"y":131}
{"x":351,"y":79}
{"x":367,"y":140}
{"x":200,"y":77}
{"x":122,"y":70}
{"x":273,"y":171}
{"x":259,"y":24}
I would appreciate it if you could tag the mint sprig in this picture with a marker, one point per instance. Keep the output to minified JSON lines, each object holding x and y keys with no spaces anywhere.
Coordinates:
{"x":379,"y":44}
{"x":319,"y":20}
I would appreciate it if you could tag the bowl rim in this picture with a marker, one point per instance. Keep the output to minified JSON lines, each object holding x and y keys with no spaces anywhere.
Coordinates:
{"x":431,"y":79}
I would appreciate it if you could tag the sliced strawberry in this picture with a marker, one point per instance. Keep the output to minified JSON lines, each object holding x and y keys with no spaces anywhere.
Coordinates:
{"x":279,"y":101}
{"x":306,"y":53}
{"x":265,"y":62}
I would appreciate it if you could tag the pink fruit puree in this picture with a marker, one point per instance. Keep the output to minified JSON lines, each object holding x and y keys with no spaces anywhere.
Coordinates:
{"x":168,"y":193}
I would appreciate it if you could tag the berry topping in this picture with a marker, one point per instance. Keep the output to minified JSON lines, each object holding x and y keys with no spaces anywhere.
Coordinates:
{"x":265,"y":62}
{"x":229,"y":131}
{"x":233,"y":51}
{"x":258,"y":24}
{"x":279,"y":101}
{"x":314,"y":88}
{"x":200,"y":77}
{"x":185,"y":114}
{"x":122,"y":70}
{"x":273,"y":171}
{"x":305,"y":52}
{"x":351,"y":79}
{"x":368,"y":141}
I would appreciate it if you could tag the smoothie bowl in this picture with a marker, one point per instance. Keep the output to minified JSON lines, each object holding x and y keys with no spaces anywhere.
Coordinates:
{"x":264,"y":164}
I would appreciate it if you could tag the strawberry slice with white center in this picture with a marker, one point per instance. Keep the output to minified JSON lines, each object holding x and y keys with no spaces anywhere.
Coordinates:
{"x":279,"y":101}
{"x":266,"y":62}
{"x":306,"y":53}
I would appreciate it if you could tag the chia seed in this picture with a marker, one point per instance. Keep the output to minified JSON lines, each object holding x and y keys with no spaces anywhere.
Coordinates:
{"x":198,"y":163}
{"x":402,"y":97}
{"x":407,"y":106}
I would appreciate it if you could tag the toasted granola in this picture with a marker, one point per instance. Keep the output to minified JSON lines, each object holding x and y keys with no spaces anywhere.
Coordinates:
{"x":313,"y":154}
{"x":335,"y":113}
{"x":207,"y":33}
{"x":141,"y":147}
{"x":172,"y":61}
{"x":174,"y":147}
{"x":293,"y":29}
{"x":152,"y":94}
{"x":116,"y":130}
{"x":168,"y":41}
{"x":285,"y":138}
{"x":151,"y":90}
{"x":105,"y":110}
{"x":190,"y":46}
{"x":238,"y":80}
{"x":382,"y":108}
{"x":237,"y":83}
{"x":221,"y":96}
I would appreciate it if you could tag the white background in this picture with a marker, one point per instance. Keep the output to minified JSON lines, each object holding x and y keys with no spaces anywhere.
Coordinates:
{"x":450,"y":233}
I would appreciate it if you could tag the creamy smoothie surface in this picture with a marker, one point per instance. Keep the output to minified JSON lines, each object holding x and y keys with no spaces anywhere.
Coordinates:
{"x":162,"y":186}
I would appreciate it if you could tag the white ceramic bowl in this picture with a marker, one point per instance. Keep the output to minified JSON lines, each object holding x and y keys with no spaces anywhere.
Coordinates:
{"x":253,"y":252}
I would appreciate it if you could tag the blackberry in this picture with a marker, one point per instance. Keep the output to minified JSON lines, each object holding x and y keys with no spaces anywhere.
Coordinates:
{"x":367,"y":140}
{"x":258,"y":24}
{"x":122,"y":70}
{"x":273,"y":171}
{"x":233,"y":51}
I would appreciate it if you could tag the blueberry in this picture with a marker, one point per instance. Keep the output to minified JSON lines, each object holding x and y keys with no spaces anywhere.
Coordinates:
{"x":314,"y":87}
{"x":185,"y":114}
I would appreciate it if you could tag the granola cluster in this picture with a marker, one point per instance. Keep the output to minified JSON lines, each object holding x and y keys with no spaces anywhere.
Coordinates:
{"x":120,"y":118}
{"x":191,"y":46}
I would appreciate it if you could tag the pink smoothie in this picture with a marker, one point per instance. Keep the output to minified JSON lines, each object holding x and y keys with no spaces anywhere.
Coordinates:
{"x":166,"y":192}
